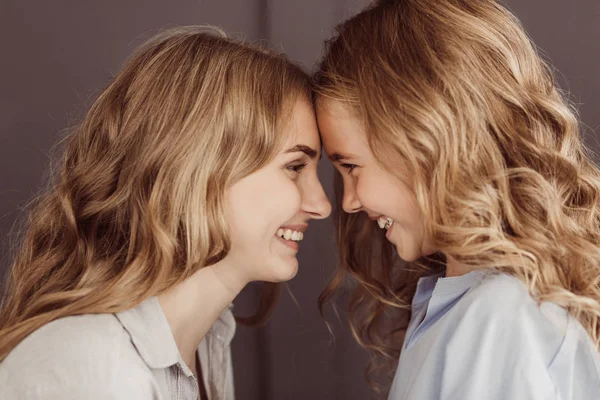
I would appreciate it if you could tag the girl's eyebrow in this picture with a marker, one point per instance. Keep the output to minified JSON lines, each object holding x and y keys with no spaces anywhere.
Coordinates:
{"x":336,"y":157}
{"x":309,"y":151}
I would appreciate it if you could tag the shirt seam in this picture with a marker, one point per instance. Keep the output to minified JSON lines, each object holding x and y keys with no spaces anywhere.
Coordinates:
{"x":117,"y":356}
{"x":562,"y":342}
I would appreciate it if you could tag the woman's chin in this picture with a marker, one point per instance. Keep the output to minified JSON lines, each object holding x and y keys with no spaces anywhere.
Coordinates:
{"x":283,"y":270}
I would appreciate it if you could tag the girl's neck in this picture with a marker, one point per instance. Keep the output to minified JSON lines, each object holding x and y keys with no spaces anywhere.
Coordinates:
{"x":454,"y":268}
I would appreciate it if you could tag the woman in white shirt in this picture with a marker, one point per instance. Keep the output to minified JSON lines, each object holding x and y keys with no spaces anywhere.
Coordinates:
{"x":193,"y":173}
{"x":455,"y":149}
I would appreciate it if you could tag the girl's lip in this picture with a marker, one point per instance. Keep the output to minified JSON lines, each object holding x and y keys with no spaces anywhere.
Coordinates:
{"x":387,"y":232}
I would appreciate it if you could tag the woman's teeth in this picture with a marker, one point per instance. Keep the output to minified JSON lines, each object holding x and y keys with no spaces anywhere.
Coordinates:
{"x":385,"y":222}
{"x":289,"y":234}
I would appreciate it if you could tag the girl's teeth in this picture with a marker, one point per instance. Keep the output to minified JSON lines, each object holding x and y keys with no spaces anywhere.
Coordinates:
{"x":295,"y":235}
{"x":385,"y":222}
{"x":288,"y":234}
{"x":389,"y":223}
{"x":280,"y":232}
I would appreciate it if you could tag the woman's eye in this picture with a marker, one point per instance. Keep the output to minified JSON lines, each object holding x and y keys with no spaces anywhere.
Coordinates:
{"x":296,"y":168}
{"x":348,"y":167}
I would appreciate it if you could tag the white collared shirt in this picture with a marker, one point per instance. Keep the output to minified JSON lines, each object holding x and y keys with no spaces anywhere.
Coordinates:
{"x":130,"y":355}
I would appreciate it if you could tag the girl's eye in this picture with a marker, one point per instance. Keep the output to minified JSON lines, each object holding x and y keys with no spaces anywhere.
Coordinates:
{"x":349,"y":167}
{"x":296,"y":168}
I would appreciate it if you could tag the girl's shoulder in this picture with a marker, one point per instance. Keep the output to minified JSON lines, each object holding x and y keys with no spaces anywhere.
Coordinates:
{"x":507,"y":295}
{"x":500,"y":316}
{"x":504,"y":300}
{"x":502,"y":310}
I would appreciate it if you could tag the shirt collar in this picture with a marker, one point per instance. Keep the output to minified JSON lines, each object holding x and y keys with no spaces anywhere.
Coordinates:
{"x":454,"y":285}
{"x":425,"y":286}
{"x":151,"y":333}
{"x":440,"y":285}
{"x":152,"y":336}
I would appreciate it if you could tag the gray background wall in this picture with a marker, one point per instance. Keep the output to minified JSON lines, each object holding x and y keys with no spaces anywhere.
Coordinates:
{"x":56,"y":57}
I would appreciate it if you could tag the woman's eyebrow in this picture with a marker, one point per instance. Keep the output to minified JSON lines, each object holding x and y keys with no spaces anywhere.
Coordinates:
{"x":309,"y":151}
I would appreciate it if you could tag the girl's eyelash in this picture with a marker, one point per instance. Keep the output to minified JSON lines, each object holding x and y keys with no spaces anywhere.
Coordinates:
{"x":296,"y":168}
{"x":349,"y":167}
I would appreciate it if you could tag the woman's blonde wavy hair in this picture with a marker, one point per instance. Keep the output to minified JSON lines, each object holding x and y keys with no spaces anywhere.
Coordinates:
{"x":137,"y":204}
{"x":454,"y":94}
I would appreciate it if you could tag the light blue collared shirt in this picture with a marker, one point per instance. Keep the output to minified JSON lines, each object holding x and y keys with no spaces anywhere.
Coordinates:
{"x":482,"y":336}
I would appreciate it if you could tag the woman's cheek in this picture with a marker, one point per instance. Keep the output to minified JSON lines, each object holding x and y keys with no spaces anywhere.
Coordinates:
{"x":285,"y":198}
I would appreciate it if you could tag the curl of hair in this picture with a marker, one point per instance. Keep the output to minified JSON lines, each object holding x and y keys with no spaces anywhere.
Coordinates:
{"x":455,"y":93}
{"x":137,"y":204}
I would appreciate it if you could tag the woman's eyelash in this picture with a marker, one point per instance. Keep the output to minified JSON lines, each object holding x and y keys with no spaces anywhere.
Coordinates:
{"x":296,"y":168}
{"x":349,"y":167}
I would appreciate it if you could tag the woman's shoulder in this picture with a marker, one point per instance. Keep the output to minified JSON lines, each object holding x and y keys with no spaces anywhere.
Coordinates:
{"x":73,"y":337}
{"x":85,"y":351}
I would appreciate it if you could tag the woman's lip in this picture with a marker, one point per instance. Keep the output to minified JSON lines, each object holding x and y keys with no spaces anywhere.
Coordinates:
{"x":289,"y":243}
{"x":299,"y":228}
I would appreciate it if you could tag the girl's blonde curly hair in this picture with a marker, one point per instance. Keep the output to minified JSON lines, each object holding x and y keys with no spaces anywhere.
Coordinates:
{"x":456,"y":94}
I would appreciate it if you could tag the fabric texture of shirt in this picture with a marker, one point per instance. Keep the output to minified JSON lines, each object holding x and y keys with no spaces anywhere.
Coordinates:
{"x":129,"y":355}
{"x":482,"y":336}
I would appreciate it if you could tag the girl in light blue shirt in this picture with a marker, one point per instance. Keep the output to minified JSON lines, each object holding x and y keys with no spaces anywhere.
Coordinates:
{"x":457,"y":153}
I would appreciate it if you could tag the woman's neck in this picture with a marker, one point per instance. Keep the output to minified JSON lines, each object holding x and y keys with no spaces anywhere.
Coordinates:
{"x":192,"y":306}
